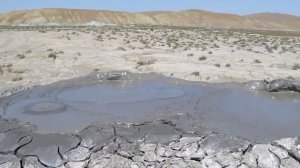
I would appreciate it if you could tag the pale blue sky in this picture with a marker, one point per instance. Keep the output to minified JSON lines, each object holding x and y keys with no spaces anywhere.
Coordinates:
{"x":241,"y":7}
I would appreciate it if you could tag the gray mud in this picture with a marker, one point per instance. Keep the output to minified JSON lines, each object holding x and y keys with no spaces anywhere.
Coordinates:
{"x":138,"y":121}
{"x":231,"y":108}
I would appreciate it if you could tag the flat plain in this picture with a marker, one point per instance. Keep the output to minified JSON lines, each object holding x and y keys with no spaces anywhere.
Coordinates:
{"x":41,"y":55}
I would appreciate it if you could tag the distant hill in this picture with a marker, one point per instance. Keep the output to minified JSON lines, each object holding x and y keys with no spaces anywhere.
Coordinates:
{"x":197,"y":18}
{"x":281,"y":21}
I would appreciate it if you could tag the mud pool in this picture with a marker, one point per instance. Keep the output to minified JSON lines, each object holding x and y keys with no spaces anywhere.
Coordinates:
{"x":70,"y":106}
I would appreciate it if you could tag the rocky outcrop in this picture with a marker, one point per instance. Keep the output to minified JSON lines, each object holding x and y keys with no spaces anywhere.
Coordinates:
{"x":276,"y":85}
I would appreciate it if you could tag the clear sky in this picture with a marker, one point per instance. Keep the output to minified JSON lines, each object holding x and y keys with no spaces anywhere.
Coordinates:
{"x":241,"y":7}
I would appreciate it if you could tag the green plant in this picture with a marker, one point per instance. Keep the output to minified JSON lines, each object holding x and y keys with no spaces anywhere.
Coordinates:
{"x":228,"y":65}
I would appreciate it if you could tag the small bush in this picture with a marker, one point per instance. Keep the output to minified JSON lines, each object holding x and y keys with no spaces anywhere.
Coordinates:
{"x":42,"y":31}
{"x":21,"y":56}
{"x":190,"y":55}
{"x":216,"y":46}
{"x":210,"y":52}
{"x":257,"y":61}
{"x":296,"y":67}
{"x":144,"y":41}
{"x":195,"y":73}
{"x":228,"y":65}
{"x":202,"y":58}
{"x":61,"y":52}
{"x":17,"y":78}
{"x":121,"y":49}
{"x":28,"y":51}
{"x":217,"y":65}
{"x":18,"y":71}
{"x":52,"y":55}
{"x":141,"y":63}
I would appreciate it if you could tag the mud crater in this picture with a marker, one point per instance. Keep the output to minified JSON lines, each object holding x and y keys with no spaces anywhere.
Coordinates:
{"x":72,"y":105}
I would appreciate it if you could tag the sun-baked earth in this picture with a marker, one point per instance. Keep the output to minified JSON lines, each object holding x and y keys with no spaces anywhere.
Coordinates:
{"x":40,"y":55}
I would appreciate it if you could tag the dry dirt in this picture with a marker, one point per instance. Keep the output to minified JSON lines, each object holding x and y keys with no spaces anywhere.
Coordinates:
{"x":34,"y":56}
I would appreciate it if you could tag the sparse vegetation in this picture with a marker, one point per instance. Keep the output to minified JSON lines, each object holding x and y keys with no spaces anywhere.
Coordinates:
{"x":53,"y":56}
{"x":221,"y":48}
{"x":218,"y":65}
{"x":28,"y":51}
{"x":142,"y":63}
{"x":195,"y":73}
{"x":202,"y":58}
{"x":121,"y":49}
{"x":18,"y":71}
{"x":1,"y":71}
{"x":19,"y":78}
{"x":42,"y":31}
{"x":257,"y":61}
{"x":296,"y":67}
{"x":21,"y":56}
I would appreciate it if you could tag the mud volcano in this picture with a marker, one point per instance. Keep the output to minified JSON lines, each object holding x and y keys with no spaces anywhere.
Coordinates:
{"x":72,"y":105}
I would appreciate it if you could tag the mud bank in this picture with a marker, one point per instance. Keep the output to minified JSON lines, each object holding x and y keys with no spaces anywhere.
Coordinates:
{"x":70,"y":106}
{"x":143,"y":120}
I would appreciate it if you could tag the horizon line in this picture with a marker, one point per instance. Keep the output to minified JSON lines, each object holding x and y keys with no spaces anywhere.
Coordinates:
{"x":187,"y":9}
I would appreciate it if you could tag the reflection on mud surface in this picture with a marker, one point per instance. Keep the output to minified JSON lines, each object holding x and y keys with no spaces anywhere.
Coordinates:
{"x":72,"y":105}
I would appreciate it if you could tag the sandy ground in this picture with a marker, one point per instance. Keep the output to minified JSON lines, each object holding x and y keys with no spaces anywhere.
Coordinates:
{"x":191,"y":54}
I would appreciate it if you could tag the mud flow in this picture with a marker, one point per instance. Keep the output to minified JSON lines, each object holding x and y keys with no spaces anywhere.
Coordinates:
{"x":69,"y":106}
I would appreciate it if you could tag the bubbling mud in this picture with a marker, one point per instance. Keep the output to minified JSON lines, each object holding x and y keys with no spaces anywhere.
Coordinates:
{"x":71,"y":105}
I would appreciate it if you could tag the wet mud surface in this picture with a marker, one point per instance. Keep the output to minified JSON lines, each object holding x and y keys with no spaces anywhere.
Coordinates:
{"x":135,"y":120}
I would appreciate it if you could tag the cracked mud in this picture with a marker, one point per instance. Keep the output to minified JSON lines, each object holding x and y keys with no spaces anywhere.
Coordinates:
{"x":129,"y":120}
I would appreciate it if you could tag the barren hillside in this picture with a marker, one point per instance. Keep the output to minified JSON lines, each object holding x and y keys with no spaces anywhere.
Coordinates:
{"x":198,"y":18}
{"x":277,"y":20}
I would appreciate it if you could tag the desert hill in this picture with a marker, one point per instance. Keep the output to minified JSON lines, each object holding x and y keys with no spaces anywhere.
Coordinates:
{"x":198,"y":18}
{"x":277,"y":20}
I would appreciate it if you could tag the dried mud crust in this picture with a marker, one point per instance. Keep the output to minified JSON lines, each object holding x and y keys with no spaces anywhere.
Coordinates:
{"x":159,"y":143}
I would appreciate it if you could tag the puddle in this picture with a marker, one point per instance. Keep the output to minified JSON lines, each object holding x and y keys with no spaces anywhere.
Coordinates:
{"x":70,"y":106}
